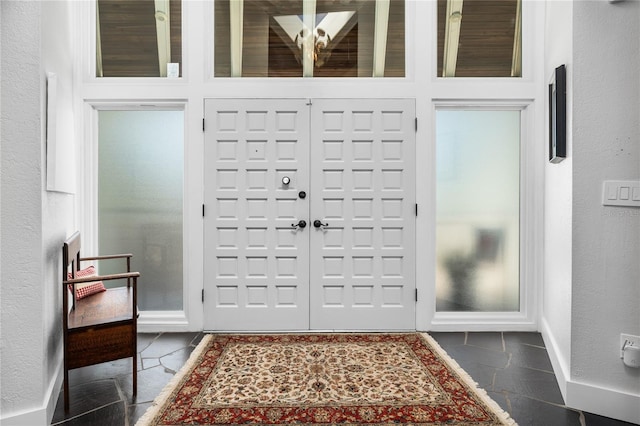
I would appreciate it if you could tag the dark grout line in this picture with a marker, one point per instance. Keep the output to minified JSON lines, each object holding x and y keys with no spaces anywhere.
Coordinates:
{"x":84,"y":413}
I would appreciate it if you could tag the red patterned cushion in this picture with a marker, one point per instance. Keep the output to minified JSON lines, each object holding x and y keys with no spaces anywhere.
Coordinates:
{"x":87,"y":289}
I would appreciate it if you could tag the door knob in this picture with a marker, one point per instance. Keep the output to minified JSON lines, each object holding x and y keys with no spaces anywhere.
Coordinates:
{"x":318,"y":223}
{"x":301,"y":224}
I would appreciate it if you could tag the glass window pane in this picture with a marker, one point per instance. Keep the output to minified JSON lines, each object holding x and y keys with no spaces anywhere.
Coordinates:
{"x":138,"y":38}
{"x":310,"y":38}
{"x":140,"y":187}
{"x":477,"y":210}
{"x":479,"y":38}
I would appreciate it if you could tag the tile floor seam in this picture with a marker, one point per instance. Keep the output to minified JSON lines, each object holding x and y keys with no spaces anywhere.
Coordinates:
{"x":563,"y":406}
{"x":531,"y":345}
{"x":535,"y":369}
{"x":582,"y":419}
{"x":471,"y":345}
{"x":149,"y":358}
{"x":509,"y":360}
{"x":192,"y":343}
{"x":84,"y":413}
{"x":150,"y":343}
{"x":507,"y":400}
{"x":173,"y":352}
{"x":123,"y":398}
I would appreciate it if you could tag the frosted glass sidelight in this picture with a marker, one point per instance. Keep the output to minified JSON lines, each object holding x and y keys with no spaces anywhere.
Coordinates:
{"x":140,"y":193}
{"x":477,"y":210}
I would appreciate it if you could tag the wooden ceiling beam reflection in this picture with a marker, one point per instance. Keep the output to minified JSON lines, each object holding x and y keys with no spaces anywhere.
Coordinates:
{"x":516,"y":61}
{"x":308,"y":42}
{"x":489,"y":39}
{"x":380,"y":32}
{"x":99,"y":72}
{"x":236,"y":17}
{"x":163,"y":34}
{"x":452,"y":24}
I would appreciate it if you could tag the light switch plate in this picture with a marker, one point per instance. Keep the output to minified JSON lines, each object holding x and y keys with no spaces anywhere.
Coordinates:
{"x":621,"y":193}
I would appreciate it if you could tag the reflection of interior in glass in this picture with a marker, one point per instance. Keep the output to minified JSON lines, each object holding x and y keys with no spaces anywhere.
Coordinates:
{"x":138,"y":38}
{"x":310,"y":38}
{"x":477,"y":211}
{"x":317,"y":43}
{"x":479,"y":38}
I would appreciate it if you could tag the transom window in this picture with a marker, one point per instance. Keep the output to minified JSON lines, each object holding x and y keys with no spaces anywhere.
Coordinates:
{"x":309,"y":38}
{"x":479,"y":38}
{"x":138,"y":38}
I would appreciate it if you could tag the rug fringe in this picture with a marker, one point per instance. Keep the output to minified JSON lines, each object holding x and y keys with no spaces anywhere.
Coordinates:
{"x":473,"y":385}
{"x":167,"y":391}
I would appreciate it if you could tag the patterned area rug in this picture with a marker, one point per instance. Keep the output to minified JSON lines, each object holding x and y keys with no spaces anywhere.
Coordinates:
{"x":322,"y":379}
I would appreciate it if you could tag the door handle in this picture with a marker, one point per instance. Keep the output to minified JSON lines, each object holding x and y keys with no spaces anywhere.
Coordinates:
{"x":301,"y":224}
{"x":318,"y":223}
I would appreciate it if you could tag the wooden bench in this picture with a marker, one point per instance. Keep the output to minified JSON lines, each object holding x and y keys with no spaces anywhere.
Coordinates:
{"x":101,"y":327}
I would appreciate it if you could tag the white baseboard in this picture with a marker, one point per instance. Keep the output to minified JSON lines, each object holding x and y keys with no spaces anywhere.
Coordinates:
{"x":559,"y":363}
{"x":43,"y":414}
{"x":163,"y":322}
{"x":37,"y":416}
{"x":588,"y":397}
{"x":603,"y":402}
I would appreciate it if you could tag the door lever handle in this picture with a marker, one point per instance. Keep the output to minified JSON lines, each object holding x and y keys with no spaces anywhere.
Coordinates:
{"x":318,"y":223}
{"x":301,"y":224}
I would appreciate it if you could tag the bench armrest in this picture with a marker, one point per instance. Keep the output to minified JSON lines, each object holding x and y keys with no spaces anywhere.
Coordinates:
{"x":103,"y":278}
{"x":107,"y":256}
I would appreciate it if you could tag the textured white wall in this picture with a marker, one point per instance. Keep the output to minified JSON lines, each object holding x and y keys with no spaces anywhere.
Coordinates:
{"x":34,"y":222}
{"x":556,"y":303}
{"x":22,"y":346}
{"x":57,"y":208}
{"x":606,"y":145}
{"x":591,"y":288}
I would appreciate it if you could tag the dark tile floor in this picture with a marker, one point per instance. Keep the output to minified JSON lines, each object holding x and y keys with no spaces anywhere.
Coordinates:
{"x":516,"y":372}
{"x":513,"y":368}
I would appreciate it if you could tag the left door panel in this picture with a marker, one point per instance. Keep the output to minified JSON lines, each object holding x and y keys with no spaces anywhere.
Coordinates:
{"x":256,"y":263}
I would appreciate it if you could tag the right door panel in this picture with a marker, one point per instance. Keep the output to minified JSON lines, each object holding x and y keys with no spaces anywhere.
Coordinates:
{"x":362,"y":253}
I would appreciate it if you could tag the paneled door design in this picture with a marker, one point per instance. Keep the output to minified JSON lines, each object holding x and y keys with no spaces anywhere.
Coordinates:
{"x":256,"y":263}
{"x":310,"y":217}
{"x":363,"y":194}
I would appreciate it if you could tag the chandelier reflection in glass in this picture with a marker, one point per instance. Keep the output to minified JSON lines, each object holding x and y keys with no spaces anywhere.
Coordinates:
{"x":309,"y":38}
{"x":314,"y":46}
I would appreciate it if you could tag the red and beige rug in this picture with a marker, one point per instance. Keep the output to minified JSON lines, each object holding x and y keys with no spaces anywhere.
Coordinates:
{"x":322,"y":379}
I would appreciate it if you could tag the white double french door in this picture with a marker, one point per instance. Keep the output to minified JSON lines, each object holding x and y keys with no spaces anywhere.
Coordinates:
{"x":309,"y":214}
